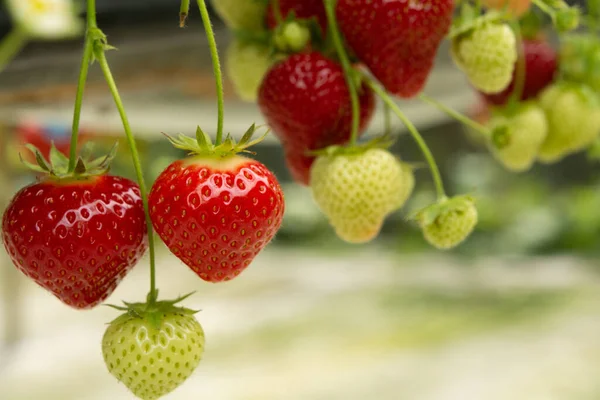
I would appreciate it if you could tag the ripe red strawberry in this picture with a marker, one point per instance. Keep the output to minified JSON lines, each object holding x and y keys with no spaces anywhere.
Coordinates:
{"x":306,"y":102}
{"x":397,"y":39}
{"x":302,"y":9}
{"x":76,"y":237}
{"x":541,"y":63}
{"x":216,"y":213}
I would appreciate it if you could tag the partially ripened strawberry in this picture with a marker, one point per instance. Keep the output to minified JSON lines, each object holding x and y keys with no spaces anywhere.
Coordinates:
{"x":302,"y":9}
{"x":216,"y":212}
{"x":306,"y":101}
{"x":153,"y":348}
{"x":358,"y":191}
{"x":447,"y":223}
{"x":76,"y":236}
{"x":397,"y":39}
{"x":541,"y":63}
{"x":517,"y":135}
{"x":487,"y":54}
{"x":573,"y":113}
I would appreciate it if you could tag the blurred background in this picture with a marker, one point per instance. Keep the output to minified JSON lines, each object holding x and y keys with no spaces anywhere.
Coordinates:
{"x":511,"y":314}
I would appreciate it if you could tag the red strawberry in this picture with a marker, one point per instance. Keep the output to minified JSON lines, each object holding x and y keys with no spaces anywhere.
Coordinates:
{"x":216,"y":213}
{"x":76,"y":237}
{"x":302,"y":9}
{"x":306,"y":101}
{"x":397,"y":39}
{"x":540,"y":65}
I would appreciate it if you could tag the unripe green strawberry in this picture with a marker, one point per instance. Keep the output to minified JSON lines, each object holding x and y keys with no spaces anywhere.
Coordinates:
{"x":153,"y":352}
{"x":573,"y":113}
{"x":518,"y":135}
{"x":449,"y":222}
{"x":242,"y":14}
{"x":358,"y":191}
{"x":247,"y":64}
{"x":408,"y":180}
{"x":580,"y":59}
{"x":487,"y":54}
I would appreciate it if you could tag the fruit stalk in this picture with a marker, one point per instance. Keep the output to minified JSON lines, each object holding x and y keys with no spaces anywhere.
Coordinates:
{"x":435,"y":171}
{"x":184,"y":11}
{"x":83,"y":74}
{"x":214,"y":54}
{"x":12,"y":44}
{"x":348,"y":71}
{"x":277,"y":11}
{"x":101,"y":58}
{"x":455,"y":114}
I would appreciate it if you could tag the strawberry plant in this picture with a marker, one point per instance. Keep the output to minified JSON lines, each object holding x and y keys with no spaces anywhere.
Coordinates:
{"x":315,"y":70}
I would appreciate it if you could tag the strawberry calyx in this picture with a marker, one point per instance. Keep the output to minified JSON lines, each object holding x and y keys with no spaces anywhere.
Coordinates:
{"x":152,"y":311}
{"x":381,"y":142}
{"x":469,"y":20}
{"x":203,"y":146}
{"x":57,"y":166}
{"x":429,"y":214}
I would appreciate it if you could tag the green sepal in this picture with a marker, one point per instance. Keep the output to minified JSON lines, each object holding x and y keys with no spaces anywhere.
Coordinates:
{"x":427,"y":215}
{"x":202,"y":145}
{"x":381,"y":142}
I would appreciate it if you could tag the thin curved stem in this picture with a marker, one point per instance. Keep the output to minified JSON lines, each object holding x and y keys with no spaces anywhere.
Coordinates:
{"x":10,"y":46}
{"x":184,"y":11}
{"x":349,"y":72}
{"x":456,"y":115}
{"x":101,"y":58}
{"x":435,"y":171}
{"x":214,"y":54}
{"x":88,"y":51}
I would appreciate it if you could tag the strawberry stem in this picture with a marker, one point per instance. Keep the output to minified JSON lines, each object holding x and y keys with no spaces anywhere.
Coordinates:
{"x":277,"y":11}
{"x":88,"y":51}
{"x":456,"y":115}
{"x":184,"y":11}
{"x":214,"y":53}
{"x":435,"y":171}
{"x":349,"y":72}
{"x":101,"y":58}
{"x":10,"y":46}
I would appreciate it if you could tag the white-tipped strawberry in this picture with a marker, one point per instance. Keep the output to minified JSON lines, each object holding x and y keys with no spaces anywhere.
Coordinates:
{"x":487,"y":54}
{"x":247,"y":64}
{"x":447,"y":223}
{"x":358,"y":191}
{"x":517,"y":136}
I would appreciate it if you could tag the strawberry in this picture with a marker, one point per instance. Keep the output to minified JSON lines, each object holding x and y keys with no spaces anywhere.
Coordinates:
{"x":216,"y":211}
{"x":487,"y":54}
{"x":518,"y":135}
{"x":357,"y":191}
{"x":573,"y":113}
{"x":242,"y":14}
{"x":306,"y":102}
{"x":447,"y":223}
{"x":408,"y":184}
{"x":302,"y":9}
{"x":516,"y":7}
{"x":541,"y":63}
{"x":153,"y":349}
{"x":76,"y":236}
{"x":247,"y":64}
{"x":580,"y":59}
{"x":397,"y":39}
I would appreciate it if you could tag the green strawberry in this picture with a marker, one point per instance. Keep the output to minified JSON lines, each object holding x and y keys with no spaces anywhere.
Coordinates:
{"x":358,"y":191}
{"x":247,"y":64}
{"x":153,"y":349}
{"x":580,"y":59}
{"x":573,"y":113}
{"x":408,"y":180}
{"x":242,"y":14}
{"x":447,"y":223}
{"x":517,"y":136}
{"x":487,"y":54}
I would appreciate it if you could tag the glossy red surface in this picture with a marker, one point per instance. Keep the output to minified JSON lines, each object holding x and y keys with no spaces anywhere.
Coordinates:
{"x":305,"y":100}
{"x":302,"y":9}
{"x":78,"y":239}
{"x":397,"y":39}
{"x":216,"y":217}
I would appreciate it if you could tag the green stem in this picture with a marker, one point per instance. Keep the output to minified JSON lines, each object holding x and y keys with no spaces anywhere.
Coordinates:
{"x":101,"y":58}
{"x":521,"y":68}
{"x":545,"y":8}
{"x":277,"y":11}
{"x":387,"y":120}
{"x":184,"y":11}
{"x":83,"y":74}
{"x":349,"y":72}
{"x":214,"y":53}
{"x":10,"y":46}
{"x":456,"y":115}
{"x":91,"y":14}
{"x":435,"y":171}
